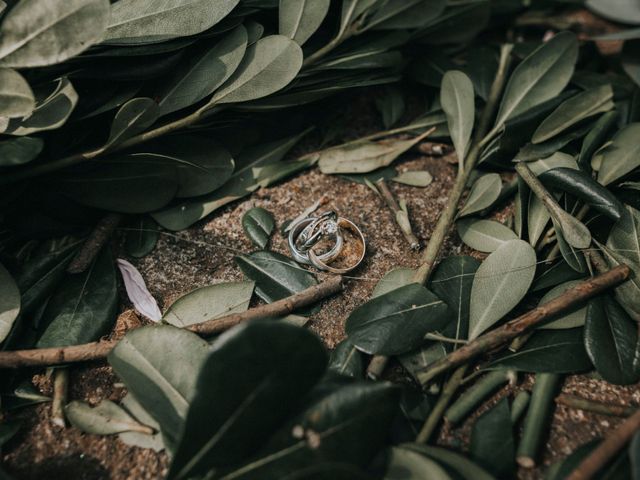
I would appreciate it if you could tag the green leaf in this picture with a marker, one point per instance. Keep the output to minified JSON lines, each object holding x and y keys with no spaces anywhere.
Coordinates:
{"x":84,"y":306}
{"x":240,"y":412}
{"x":268,"y":66}
{"x":248,"y":176}
{"x":408,"y":14}
{"x":276,"y":276}
{"x":484,"y":235}
{"x":202,"y":75}
{"x":407,"y":464}
{"x":548,"y":351}
{"x":148,"y":21}
{"x":18,"y":151}
{"x":623,"y":246}
{"x":209,"y":302}
{"x":393,"y":279}
{"x":159,"y":365}
{"x":35,"y":33}
{"x":9,"y":302}
{"x":53,"y":108}
{"x":414,"y":178}
{"x":133,"y":183}
{"x":621,"y":156}
{"x":596,"y":137}
{"x":300,"y":19}
{"x":581,"y":185}
{"x":622,"y":11}
{"x":363,"y":157}
{"x":106,"y":418}
{"x":610,"y":338}
{"x":572,"y":319}
{"x":483,"y":194}
{"x":202,"y":165}
{"x":537,"y":219}
{"x":417,"y":360}
{"x":141,"y":237}
{"x":397,"y":321}
{"x":540,"y":77}
{"x":391,"y":105}
{"x":132,"y":118}
{"x":347,"y":360}
{"x":141,"y":439}
{"x":492,"y":443}
{"x":574,"y":110}
{"x":457,"y":100}
{"x":500,"y":283}
{"x":258,"y":225}
{"x":573,"y":257}
{"x":452,"y":281}
{"x":534,"y":151}
{"x":16,"y":97}
{"x":452,"y":460}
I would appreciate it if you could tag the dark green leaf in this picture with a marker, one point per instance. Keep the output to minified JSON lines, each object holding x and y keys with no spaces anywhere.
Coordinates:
{"x":621,"y":156}
{"x":9,"y":302}
{"x":492,"y":442}
{"x":540,"y":77}
{"x":159,"y":365}
{"x":347,"y":360}
{"x":573,"y":111}
{"x":596,"y":137}
{"x":417,"y":360}
{"x":209,"y":302}
{"x":241,"y":411}
{"x":610,"y":338}
{"x":483,"y":194}
{"x":133,"y":117}
{"x":84,"y":306}
{"x":300,"y":19}
{"x":276,"y":276}
{"x":393,"y":279}
{"x":35,"y":33}
{"x":452,"y":282}
{"x":573,"y":318}
{"x":549,"y":351}
{"x":18,"y":151}
{"x":202,"y":75}
{"x":142,"y":236}
{"x":397,"y":321}
{"x":258,"y":225}
{"x":582,"y":186}
{"x":453,"y":461}
{"x":391,"y":105}
{"x":408,"y":464}
{"x":148,"y":21}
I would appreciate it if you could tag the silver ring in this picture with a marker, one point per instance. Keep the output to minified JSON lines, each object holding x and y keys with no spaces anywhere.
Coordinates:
{"x":304,"y":226}
{"x":318,"y":262}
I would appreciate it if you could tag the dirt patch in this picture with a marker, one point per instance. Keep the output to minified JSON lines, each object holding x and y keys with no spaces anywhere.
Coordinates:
{"x":205,"y":254}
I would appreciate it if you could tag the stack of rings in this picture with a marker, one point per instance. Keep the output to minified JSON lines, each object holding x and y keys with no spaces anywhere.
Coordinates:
{"x":306,"y":233}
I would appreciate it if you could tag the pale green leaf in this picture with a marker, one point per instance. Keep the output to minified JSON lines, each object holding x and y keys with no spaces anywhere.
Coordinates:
{"x":457,"y":100}
{"x":572,"y":319}
{"x":106,"y":418}
{"x":483,"y":194}
{"x":621,"y":156}
{"x":484,"y":235}
{"x":299,"y":19}
{"x":9,"y":302}
{"x":16,"y":97}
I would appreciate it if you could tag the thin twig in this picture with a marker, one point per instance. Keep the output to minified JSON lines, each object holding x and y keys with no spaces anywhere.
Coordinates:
{"x":99,"y":350}
{"x":579,"y":403}
{"x":604,"y":452}
{"x":541,"y":314}
{"x":400,"y":215}
{"x":94,"y":243}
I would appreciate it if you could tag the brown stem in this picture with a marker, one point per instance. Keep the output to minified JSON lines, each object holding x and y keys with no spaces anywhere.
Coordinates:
{"x":99,"y":350}
{"x":543,"y":313}
{"x":60,"y":392}
{"x":92,"y":246}
{"x":611,"y":445}
{"x":579,"y":403}
{"x":401,"y":216}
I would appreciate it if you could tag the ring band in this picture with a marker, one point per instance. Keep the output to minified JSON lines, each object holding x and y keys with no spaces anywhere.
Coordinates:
{"x":318,"y":262}
{"x":303,"y":256}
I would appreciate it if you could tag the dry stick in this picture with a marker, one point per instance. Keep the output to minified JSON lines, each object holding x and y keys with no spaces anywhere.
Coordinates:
{"x":400,"y":215}
{"x":611,"y":445}
{"x":60,"y":392}
{"x":439,"y":235}
{"x":92,"y":246}
{"x":543,"y":313}
{"x":579,"y":403}
{"x":99,"y":350}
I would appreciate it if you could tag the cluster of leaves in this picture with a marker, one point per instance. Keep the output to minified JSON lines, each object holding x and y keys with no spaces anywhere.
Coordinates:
{"x":130,"y":73}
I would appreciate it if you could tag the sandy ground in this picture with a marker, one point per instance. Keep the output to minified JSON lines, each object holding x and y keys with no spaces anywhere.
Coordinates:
{"x":204,"y":254}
